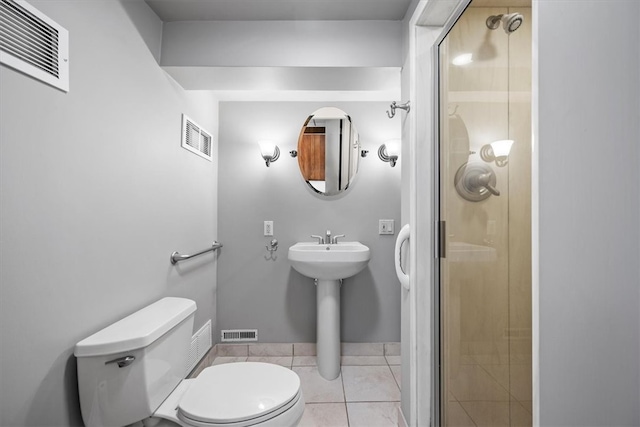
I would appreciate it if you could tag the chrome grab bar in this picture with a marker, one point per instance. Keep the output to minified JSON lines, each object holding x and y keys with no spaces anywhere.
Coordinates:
{"x":176,"y":257}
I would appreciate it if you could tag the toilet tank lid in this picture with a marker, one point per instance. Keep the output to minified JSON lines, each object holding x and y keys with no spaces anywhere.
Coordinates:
{"x":137,"y":330}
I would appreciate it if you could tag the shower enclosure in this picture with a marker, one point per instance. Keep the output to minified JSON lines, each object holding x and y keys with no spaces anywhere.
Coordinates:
{"x":484,"y":155}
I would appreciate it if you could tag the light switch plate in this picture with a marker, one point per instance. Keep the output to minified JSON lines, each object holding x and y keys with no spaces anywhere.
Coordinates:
{"x":268,"y":228}
{"x":386,"y":226}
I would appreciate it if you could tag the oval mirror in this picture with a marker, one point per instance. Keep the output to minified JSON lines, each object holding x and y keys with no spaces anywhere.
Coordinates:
{"x":328,"y":151}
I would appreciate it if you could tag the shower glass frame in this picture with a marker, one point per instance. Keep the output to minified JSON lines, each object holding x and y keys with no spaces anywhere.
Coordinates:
{"x":437,"y":398}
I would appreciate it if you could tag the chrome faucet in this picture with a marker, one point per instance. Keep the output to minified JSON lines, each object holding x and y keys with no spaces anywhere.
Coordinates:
{"x":327,"y":239}
{"x":335,"y":238}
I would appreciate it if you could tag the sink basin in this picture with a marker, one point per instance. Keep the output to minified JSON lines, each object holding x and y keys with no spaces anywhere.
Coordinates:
{"x":329,"y":262}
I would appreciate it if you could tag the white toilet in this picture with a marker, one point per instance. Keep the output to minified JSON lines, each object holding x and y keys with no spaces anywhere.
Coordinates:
{"x":133,"y":371}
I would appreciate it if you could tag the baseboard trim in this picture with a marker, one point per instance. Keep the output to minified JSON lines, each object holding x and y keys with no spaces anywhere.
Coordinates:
{"x":402,"y":422}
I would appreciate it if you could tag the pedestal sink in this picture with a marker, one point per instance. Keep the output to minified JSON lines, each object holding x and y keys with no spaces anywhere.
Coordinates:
{"x":328,"y":264}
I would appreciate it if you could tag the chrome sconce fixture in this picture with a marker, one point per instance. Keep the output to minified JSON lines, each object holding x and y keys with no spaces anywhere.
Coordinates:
{"x":390,"y":151}
{"x":270,"y":151}
{"x":497,"y":151}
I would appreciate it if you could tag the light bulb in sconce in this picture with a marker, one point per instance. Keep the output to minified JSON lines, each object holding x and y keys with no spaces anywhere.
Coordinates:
{"x":269,"y":151}
{"x":463,"y":59}
{"x":497,"y":151}
{"x":390,"y":151}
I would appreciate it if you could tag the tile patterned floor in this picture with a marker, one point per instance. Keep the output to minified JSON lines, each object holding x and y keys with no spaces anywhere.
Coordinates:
{"x":365,"y":394}
{"x":486,"y":394}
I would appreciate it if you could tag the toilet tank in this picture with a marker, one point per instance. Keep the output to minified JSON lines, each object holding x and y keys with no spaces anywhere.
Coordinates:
{"x":126,"y":370}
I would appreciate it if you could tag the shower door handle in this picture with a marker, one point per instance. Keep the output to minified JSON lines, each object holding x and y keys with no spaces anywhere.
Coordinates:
{"x":442,"y":240}
{"x":403,"y":236}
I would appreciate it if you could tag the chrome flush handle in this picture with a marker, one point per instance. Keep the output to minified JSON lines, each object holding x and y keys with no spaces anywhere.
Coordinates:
{"x":122,"y":361}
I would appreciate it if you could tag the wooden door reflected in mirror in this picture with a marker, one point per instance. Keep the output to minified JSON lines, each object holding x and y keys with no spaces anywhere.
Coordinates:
{"x":328,"y":151}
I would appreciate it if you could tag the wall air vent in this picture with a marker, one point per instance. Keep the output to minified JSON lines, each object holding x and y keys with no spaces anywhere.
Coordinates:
{"x":195,"y":139}
{"x":34,"y":44}
{"x":239,"y":335}
{"x":200,"y":345}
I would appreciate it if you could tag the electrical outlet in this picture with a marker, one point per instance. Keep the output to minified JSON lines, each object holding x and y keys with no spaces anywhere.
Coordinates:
{"x":268,"y":228}
{"x":386,"y":226}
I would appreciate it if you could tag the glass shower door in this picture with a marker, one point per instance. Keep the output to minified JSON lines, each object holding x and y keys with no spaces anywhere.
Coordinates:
{"x":485,"y":210}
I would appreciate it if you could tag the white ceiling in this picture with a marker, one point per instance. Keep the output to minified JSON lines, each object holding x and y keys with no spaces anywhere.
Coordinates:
{"x":278,"y":10}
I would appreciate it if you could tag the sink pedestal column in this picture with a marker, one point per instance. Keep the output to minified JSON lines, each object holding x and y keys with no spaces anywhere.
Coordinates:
{"x":328,"y":328}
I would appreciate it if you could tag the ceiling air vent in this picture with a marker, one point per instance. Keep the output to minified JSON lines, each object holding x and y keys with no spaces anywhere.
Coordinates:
{"x":32,"y":43}
{"x":195,"y":139}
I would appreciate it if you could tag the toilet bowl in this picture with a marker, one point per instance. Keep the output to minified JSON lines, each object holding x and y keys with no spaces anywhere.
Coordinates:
{"x":234,"y":395}
{"x":132,"y":372}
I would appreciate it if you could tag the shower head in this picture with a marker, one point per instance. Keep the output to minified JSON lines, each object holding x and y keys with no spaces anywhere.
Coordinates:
{"x":510,"y":22}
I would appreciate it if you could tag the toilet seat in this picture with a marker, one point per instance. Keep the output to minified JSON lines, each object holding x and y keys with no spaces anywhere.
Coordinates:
{"x":239,"y":395}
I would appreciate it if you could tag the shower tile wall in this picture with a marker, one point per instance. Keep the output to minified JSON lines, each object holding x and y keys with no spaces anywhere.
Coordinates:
{"x":487,"y":328}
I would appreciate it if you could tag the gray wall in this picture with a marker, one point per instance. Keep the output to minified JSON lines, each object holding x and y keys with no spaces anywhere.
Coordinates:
{"x":96,"y":192}
{"x":589,"y":213}
{"x":282,"y":43}
{"x":276,"y":57}
{"x":257,"y":292}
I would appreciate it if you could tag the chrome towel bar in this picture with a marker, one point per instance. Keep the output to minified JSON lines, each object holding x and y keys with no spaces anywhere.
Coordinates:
{"x":176,"y":257}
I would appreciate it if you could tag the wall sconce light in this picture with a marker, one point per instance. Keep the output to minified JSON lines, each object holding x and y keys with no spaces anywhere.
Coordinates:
{"x":389,"y":151}
{"x":497,"y":151}
{"x":270,"y":151}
